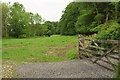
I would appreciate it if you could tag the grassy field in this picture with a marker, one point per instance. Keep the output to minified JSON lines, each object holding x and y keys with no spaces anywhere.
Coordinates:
{"x":36,"y":50}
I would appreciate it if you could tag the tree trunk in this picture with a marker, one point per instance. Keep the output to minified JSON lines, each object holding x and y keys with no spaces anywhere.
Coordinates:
{"x":107,"y":18}
{"x":116,"y":10}
{"x":97,"y":11}
{"x":5,"y":31}
{"x":96,"y":8}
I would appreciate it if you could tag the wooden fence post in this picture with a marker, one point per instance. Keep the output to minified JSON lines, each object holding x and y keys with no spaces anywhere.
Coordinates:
{"x":89,"y":36}
{"x":79,"y":46}
{"x":93,"y":35}
{"x":80,"y":40}
{"x":119,"y":58}
{"x":86,"y":41}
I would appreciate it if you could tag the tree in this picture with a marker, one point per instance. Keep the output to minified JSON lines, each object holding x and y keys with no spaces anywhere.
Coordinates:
{"x":30,"y":27}
{"x":116,"y":10}
{"x":49,"y":28}
{"x":5,"y":17}
{"x":18,"y":21}
{"x":27,"y":23}
{"x":37,"y":21}
{"x":69,"y":18}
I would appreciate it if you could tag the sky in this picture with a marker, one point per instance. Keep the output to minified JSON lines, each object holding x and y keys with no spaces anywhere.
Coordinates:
{"x":50,"y":10}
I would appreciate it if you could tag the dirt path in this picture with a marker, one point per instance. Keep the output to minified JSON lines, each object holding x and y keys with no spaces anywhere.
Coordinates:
{"x":6,"y":48}
{"x":60,"y":50}
{"x":65,"y":69}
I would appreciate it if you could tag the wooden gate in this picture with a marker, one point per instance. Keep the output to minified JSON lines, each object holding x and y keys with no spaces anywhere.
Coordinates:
{"x":91,"y":50}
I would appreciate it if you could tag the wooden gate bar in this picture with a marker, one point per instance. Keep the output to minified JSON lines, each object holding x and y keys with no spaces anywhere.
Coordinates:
{"x":107,"y":62}
{"x":105,"y":67}
{"x":114,"y":57}
{"x":92,"y":51}
{"x":110,"y":61}
{"x":103,"y":41}
{"x":101,"y":48}
{"x":97,"y":47}
{"x":85,"y":51}
{"x":106,"y":53}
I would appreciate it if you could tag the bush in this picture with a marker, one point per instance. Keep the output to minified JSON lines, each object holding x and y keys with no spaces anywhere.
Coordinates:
{"x":23,"y":36}
{"x":49,"y":33}
{"x":109,"y":31}
{"x":117,"y":70}
{"x":99,"y":18}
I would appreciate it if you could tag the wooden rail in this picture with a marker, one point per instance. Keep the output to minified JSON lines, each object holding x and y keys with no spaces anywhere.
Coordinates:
{"x":102,"y":41}
{"x":86,"y":44}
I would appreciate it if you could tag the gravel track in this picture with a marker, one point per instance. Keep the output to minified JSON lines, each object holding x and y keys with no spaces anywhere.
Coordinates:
{"x":65,"y":69}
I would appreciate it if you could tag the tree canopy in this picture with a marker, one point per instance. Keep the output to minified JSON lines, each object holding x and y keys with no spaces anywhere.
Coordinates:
{"x":78,"y":18}
{"x":88,"y":18}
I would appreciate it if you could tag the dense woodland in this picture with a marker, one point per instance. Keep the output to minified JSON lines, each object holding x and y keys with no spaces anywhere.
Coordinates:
{"x":87,"y":18}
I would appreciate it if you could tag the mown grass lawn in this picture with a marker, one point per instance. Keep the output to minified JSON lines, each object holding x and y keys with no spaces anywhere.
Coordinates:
{"x":40,"y":49}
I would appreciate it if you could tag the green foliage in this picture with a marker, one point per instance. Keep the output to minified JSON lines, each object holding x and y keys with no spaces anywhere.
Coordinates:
{"x":83,"y":23}
{"x":5,"y":13}
{"x":17,"y":22}
{"x":99,"y":18}
{"x":49,"y":33}
{"x":21,"y":24}
{"x":78,"y":17}
{"x":69,"y":18}
{"x":37,"y":18}
{"x":50,"y":28}
{"x":109,"y":31}
{"x":98,"y":28}
{"x":87,"y":17}
{"x":117,"y":70}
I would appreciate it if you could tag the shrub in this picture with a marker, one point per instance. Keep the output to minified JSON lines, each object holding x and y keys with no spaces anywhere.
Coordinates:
{"x":109,"y":31}
{"x":99,"y":18}
{"x":117,"y":70}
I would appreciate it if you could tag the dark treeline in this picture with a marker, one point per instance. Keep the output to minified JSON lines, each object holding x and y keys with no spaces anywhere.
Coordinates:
{"x":87,"y":18}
